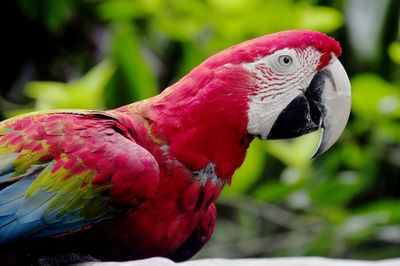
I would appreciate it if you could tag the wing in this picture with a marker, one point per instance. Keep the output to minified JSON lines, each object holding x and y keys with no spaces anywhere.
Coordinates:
{"x":61,"y":172}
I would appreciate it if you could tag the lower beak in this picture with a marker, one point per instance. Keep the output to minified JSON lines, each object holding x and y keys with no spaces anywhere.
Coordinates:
{"x":326,"y":103}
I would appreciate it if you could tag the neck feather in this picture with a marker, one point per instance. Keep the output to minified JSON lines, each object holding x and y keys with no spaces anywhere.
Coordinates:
{"x":203,"y":118}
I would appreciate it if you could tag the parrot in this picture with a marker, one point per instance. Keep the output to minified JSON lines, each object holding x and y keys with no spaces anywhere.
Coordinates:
{"x":141,"y":180}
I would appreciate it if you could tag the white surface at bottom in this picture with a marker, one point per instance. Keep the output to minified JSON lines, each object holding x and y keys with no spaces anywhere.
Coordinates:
{"x":289,"y":261}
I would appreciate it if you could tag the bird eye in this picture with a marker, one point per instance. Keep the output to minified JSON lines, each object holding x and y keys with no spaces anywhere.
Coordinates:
{"x":285,"y":60}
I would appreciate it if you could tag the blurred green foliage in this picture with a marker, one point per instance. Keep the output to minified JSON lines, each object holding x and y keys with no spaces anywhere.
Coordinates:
{"x":85,"y":92}
{"x":346,"y":203}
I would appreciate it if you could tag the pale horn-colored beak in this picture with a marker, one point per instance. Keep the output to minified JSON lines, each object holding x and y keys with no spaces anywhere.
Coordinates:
{"x":332,"y":95}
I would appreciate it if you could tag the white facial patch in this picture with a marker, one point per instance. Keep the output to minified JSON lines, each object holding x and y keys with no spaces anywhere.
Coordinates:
{"x":280,"y":78}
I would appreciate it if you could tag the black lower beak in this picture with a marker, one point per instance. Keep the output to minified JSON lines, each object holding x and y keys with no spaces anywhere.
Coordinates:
{"x":300,"y":117}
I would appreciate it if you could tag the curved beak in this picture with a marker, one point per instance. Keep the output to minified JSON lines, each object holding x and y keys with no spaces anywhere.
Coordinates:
{"x":331,"y":93}
{"x":325,"y":103}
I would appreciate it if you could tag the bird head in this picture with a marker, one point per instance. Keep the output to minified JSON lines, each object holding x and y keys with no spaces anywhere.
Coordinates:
{"x":298,"y":85}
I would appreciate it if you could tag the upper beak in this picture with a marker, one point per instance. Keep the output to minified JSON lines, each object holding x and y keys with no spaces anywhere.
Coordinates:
{"x":330,"y":91}
{"x":325,"y":103}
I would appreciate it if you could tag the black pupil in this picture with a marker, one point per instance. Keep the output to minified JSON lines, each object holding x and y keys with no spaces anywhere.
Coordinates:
{"x":286,"y":60}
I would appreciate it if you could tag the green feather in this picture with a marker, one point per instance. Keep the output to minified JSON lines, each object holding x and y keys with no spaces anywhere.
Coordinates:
{"x":38,"y":181}
{"x":6,"y":162}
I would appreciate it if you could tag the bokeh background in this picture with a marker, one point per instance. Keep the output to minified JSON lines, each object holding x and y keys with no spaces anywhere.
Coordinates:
{"x":98,"y":54}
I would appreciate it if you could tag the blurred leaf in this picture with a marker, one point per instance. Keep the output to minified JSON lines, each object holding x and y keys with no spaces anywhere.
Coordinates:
{"x":53,"y":13}
{"x":322,"y":244}
{"x":374,"y":98}
{"x":86,"y":92}
{"x":338,"y":191}
{"x":364,"y":223}
{"x":332,"y":214}
{"x":359,"y":157}
{"x":387,"y":132}
{"x":127,"y":55}
{"x":58,"y":12}
{"x":250,"y":171}
{"x":233,"y":6}
{"x":30,"y":8}
{"x":394,"y":52}
{"x":273,"y":191}
{"x":234,"y":21}
{"x":319,"y":18}
{"x":388,"y":210}
{"x":12,"y":113}
{"x":181,"y":20}
{"x":193,"y":55}
{"x":296,"y":152}
{"x":118,"y":10}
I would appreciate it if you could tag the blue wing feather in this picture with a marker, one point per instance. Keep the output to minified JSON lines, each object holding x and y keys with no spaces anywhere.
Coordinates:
{"x":10,"y":207}
{"x":22,"y":216}
{"x":29,"y":215}
{"x":6,"y":176}
{"x":15,"y":191}
{"x":6,"y":165}
{"x":34,"y":206}
{"x":14,"y":230}
{"x":6,"y":219}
